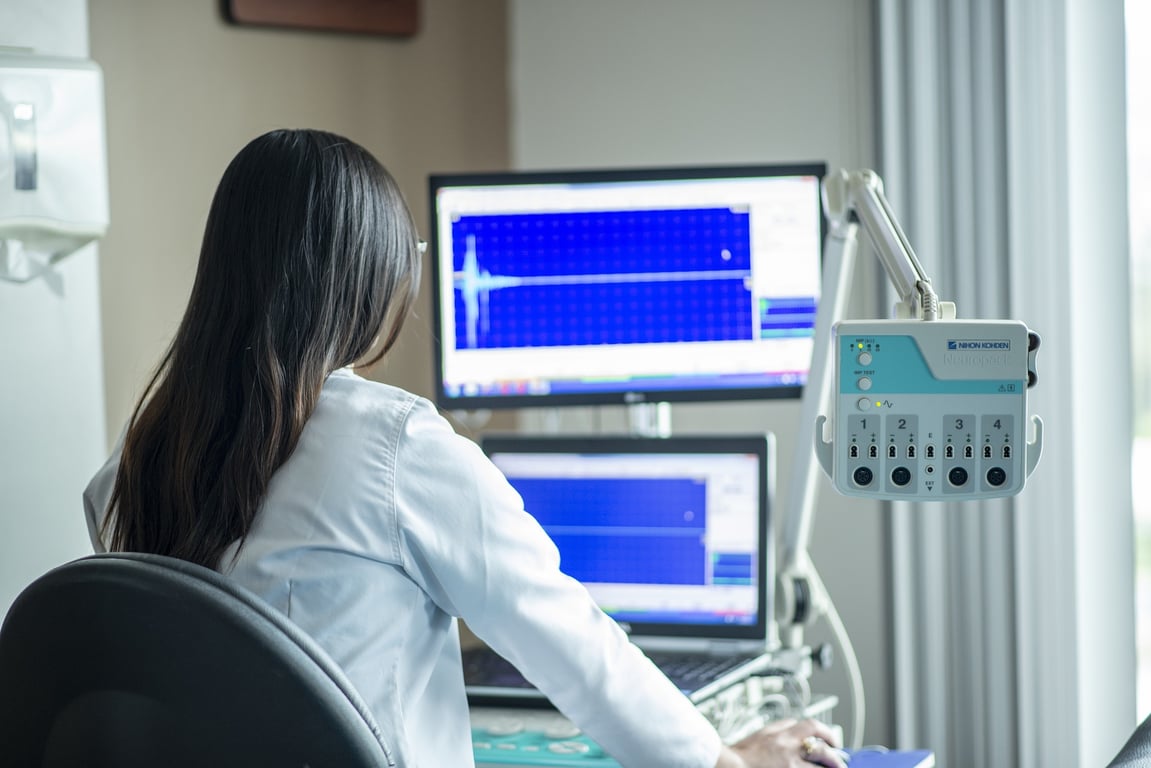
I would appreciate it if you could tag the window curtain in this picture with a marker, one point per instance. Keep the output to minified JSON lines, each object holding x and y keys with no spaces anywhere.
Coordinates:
{"x":1002,"y":150}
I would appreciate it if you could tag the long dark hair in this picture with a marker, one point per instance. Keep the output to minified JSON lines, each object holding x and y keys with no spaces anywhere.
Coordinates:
{"x":309,"y":248}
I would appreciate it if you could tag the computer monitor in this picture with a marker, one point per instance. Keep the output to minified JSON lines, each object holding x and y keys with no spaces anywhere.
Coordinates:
{"x":625,"y":286}
{"x":671,"y":536}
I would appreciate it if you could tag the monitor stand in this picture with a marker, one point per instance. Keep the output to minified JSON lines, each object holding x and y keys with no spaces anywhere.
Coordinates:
{"x":649,"y":419}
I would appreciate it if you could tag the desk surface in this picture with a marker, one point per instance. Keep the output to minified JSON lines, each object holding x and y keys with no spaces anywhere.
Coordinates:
{"x":527,"y":748}
{"x":521,"y":738}
{"x":486,"y":758}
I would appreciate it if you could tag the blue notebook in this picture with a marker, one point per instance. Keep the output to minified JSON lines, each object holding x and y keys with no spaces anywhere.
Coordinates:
{"x":874,"y":758}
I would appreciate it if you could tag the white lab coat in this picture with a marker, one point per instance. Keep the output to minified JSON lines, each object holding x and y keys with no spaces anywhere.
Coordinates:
{"x":385,"y":525}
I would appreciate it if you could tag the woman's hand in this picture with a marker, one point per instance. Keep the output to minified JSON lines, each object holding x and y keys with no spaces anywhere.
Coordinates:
{"x":785,"y":744}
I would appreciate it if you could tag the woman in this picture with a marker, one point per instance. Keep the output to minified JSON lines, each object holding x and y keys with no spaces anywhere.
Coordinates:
{"x":351,"y":505}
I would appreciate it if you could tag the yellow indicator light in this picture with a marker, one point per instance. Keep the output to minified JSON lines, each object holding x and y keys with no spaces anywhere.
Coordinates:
{"x":878,"y":404}
{"x":859,"y":345}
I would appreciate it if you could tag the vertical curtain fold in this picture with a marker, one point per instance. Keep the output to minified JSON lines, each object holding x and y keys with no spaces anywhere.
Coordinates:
{"x":942,"y":146}
{"x":999,"y":129}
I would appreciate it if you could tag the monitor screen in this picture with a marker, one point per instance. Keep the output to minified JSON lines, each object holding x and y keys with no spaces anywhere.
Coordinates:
{"x":625,"y":286}
{"x":669,"y":535}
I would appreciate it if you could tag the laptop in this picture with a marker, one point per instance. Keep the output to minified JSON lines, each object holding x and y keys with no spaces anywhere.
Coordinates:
{"x":672,"y":538}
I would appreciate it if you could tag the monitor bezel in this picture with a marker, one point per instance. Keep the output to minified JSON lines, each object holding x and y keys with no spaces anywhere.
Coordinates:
{"x":761,"y":445}
{"x":622,"y":396}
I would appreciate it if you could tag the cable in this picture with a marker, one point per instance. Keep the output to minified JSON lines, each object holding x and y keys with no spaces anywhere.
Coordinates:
{"x":851,"y":662}
{"x":776,"y":706}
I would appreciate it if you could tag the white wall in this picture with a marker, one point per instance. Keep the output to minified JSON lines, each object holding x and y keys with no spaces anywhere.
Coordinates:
{"x":677,"y":82}
{"x":52,"y":434}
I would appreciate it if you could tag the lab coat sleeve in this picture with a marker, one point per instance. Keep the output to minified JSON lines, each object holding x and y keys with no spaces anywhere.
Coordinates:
{"x":96,"y":496}
{"x":466,"y":539}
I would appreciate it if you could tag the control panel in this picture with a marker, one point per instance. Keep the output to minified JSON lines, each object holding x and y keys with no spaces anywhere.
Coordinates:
{"x":931,"y":410}
{"x":518,"y":736}
{"x":523,"y":737}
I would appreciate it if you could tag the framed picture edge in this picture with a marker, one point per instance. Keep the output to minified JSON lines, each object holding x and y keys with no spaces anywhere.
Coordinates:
{"x":386,"y":18}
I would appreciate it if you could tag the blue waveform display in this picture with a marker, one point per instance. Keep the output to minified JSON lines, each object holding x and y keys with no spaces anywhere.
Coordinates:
{"x":602,"y":277}
{"x":623,"y":530}
{"x":733,"y":568}
{"x":782,"y":317}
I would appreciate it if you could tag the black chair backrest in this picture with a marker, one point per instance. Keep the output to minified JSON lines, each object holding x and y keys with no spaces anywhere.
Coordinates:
{"x":1136,"y":753}
{"x":133,"y":660}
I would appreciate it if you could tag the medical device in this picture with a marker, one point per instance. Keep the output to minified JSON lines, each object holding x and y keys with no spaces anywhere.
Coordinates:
{"x":923,"y":407}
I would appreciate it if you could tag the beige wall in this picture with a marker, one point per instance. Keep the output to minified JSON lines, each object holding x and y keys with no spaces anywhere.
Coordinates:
{"x":185,"y":90}
{"x":680,"y":82}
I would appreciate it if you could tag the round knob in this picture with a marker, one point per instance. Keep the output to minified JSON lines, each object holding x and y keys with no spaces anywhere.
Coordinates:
{"x":822,"y":655}
{"x":505,"y":726}
{"x":569,"y":748}
{"x":562,"y":730}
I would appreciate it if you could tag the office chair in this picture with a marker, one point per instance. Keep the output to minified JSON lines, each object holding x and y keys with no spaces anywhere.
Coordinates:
{"x":132,"y":660}
{"x":1136,"y":753}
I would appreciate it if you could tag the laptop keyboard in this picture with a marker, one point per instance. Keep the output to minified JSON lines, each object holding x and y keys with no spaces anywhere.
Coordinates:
{"x":688,"y":671}
{"x":691,"y":671}
{"x":486,"y":667}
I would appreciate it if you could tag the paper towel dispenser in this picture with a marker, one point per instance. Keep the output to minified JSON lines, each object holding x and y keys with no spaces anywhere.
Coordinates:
{"x":53,"y":163}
